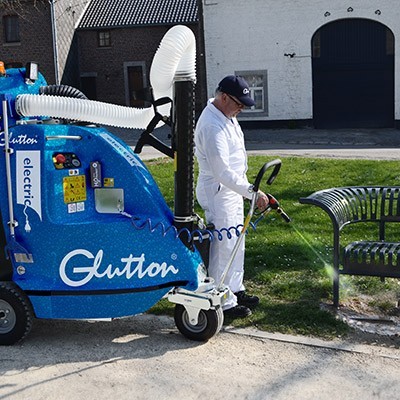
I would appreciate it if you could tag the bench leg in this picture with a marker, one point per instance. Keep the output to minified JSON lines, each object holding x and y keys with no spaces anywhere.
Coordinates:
{"x":336,"y":290}
{"x":336,"y":262}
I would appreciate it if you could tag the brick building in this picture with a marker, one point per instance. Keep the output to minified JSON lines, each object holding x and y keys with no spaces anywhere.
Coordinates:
{"x":322,"y":63}
{"x":41,"y":31}
{"x":118,"y":40}
{"x":103,"y":47}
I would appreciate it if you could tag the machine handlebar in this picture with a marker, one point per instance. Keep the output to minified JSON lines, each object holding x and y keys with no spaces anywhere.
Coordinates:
{"x":273,"y":203}
{"x":277,"y":166}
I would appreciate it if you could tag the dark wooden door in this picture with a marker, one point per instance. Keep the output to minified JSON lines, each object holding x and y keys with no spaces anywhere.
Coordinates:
{"x":353,"y":75}
{"x":135,"y":85}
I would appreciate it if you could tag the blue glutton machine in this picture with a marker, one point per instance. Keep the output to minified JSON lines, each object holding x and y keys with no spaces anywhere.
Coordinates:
{"x":86,"y":233}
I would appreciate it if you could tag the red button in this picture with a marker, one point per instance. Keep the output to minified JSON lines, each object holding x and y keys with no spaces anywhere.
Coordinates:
{"x":60,"y":158}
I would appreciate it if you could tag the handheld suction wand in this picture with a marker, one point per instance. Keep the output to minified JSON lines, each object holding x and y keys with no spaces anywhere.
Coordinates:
{"x":276,"y":164}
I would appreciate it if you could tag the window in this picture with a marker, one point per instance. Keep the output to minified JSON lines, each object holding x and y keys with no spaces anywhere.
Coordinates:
{"x":257,"y":81}
{"x":11,"y":28}
{"x":104,"y":38}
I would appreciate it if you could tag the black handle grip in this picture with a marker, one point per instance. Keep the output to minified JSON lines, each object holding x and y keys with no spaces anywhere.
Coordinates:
{"x":283,"y":215}
{"x":277,"y":166}
{"x":274,"y":204}
{"x":139,"y":144}
{"x":148,"y":138}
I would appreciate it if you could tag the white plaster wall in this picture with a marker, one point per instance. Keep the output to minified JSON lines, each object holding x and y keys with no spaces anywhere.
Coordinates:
{"x":255,"y":35}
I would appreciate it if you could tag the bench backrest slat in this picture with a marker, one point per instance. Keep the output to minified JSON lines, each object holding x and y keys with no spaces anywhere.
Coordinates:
{"x":358,"y":203}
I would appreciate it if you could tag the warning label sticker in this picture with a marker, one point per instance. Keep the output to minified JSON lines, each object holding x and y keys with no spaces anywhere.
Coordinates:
{"x":74,"y":188}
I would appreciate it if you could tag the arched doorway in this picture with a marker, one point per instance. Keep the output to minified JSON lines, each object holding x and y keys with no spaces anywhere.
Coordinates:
{"x":353,"y":75}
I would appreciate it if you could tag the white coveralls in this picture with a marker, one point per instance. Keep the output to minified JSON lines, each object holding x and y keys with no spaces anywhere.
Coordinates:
{"x":220,"y":189}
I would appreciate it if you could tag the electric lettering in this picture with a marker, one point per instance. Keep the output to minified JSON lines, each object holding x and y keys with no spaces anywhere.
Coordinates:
{"x":27,"y":182}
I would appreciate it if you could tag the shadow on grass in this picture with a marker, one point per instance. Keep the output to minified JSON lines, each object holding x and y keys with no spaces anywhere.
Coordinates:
{"x":300,"y":317}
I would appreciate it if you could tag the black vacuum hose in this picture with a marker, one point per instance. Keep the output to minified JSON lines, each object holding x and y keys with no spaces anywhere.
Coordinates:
{"x":62,"y":90}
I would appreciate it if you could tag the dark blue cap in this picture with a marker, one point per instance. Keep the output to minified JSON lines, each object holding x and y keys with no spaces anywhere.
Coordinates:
{"x":238,"y":87}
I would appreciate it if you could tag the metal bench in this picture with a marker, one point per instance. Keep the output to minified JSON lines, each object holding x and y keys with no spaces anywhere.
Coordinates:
{"x":347,"y":205}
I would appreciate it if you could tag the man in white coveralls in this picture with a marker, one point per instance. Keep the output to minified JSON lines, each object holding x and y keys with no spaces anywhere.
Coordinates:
{"x":222,"y":184}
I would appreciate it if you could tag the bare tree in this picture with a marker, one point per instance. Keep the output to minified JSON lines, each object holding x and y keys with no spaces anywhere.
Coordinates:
{"x":17,"y":6}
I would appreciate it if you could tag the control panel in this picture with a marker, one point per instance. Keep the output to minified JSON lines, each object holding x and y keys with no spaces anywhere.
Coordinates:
{"x":66,"y":161}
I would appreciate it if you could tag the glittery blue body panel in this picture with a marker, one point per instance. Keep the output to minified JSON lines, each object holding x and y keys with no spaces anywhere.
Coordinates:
{"x":71,"y":260}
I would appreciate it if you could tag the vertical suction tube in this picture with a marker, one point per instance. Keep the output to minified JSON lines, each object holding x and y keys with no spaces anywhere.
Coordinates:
{"x":183,"y":116}
{"x":175,"y":57}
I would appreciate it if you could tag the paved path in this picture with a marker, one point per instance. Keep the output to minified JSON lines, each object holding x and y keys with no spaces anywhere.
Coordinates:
{"x":379,"y":144}
{"x":144,"y":357}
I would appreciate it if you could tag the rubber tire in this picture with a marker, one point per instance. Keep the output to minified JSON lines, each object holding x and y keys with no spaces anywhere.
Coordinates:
{"x":209,"y":323}
{"x":21,"y":314}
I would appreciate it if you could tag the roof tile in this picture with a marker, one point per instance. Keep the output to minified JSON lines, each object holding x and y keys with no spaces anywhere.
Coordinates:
{"x":117,"y":13}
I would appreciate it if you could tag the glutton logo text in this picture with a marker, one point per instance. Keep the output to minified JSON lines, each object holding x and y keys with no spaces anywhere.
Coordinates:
{"x":17,"y":139}
{"x":75,"y":276}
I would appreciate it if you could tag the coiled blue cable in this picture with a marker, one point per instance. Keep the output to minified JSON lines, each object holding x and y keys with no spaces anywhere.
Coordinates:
{"x":197,"y":234}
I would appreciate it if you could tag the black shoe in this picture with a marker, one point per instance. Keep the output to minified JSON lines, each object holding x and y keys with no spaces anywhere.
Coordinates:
{"x":247,"y":300}
{"x":237,"y":312}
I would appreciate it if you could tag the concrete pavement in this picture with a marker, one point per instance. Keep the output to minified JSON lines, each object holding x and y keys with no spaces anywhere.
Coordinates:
{"x":144,"y":357}
{"x":376,"y":144}
{"x":379,"y":144}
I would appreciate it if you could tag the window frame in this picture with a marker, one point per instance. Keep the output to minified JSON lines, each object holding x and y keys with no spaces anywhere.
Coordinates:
{"x":104,"y":38}
{"x":11,"y":31}
{"x":252,"y":111}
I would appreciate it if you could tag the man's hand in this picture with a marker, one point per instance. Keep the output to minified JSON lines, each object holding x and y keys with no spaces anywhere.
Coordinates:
{"x":262,"y":200}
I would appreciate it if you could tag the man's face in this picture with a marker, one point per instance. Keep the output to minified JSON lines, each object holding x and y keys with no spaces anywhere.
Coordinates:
{"x":234,"y":106}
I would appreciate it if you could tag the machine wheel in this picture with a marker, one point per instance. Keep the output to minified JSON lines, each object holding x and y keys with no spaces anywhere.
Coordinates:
{"x":16,"y":314}
{"x":208,"y":325}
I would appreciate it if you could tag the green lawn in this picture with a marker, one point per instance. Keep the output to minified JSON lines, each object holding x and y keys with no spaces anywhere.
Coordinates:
{"x":289,"y":265}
